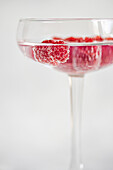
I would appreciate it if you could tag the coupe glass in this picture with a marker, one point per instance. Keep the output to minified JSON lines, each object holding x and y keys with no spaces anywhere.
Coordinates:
{"x":88,"y":47}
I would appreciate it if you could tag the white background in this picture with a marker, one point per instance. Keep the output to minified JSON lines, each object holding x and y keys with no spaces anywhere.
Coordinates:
{"x":34,"y":100}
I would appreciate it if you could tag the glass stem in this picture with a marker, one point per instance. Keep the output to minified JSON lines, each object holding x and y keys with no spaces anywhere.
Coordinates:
{"x":76,"y":97}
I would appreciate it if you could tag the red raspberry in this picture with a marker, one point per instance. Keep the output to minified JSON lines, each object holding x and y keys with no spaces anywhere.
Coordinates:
{"x":74,"y":39}
{"x":51,"y":54}
{"x":48,"y":41}
{"x":57,"y":38}
{"x":109,"y":38}
{"x":87,"y":57}
{"x":88,"y":39}
{"x":80,"y":39}
{"x":98,"y":38}
{"x":53,"y":41}
{"x":107,"y":55}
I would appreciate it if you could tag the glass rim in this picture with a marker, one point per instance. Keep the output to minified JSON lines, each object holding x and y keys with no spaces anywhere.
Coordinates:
{"x":63,"y":19}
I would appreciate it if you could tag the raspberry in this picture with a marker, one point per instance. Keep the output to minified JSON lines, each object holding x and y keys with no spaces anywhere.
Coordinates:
{"x":87,"y":57}
{"x":53,"y":41}
{"x":51,"y":54}
{"x":107,"y":55}
{"x":98,"y":38}
{"x":48,"y":41}
{"x":109,"y":38}
{"x":74,"y":39}
{"x":57,"y":38}
{"x":88,"y":39}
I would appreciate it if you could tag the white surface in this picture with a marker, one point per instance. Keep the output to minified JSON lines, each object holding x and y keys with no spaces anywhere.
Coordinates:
{"x":34,"y":110}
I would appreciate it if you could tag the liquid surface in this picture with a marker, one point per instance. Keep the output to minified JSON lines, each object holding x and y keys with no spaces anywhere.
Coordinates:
{"x":71,"y":58}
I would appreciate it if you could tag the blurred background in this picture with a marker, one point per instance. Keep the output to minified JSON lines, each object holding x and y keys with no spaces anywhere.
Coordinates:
{"x":34,"y":100}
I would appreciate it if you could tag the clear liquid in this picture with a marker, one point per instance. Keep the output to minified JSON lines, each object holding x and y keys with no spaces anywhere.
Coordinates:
{"x":83,"y":57}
